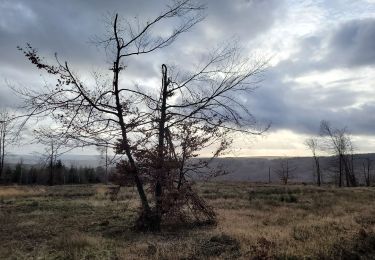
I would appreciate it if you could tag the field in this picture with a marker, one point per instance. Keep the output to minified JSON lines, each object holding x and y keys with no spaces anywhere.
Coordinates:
{"x":255,"y":222}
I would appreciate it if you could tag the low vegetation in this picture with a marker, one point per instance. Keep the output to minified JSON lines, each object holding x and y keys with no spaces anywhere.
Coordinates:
{"x":254,"y":222}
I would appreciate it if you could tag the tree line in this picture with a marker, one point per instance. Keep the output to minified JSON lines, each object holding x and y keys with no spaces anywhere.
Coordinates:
{"x":25,"y":174}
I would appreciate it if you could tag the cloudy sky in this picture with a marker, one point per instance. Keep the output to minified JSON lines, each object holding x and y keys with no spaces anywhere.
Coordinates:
{"x":322,"y":58}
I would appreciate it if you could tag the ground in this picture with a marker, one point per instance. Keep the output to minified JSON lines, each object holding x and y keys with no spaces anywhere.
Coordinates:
{"x":254,"y":222}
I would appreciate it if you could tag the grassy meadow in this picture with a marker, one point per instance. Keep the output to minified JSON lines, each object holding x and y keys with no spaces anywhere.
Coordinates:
{"x":254,"y":222}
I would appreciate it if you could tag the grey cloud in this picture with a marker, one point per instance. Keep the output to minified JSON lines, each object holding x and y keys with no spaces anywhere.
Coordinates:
{"x":353,"y":43}
{"x":66,"y":27}
{"x":246,"y":18}
{"x":349,"y":45}
{"x":300,"y":108}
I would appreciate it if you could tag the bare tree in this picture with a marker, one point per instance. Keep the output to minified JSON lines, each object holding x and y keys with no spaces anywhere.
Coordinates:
{"x":366,"y":170}
{"x":312,"y":144}
{"x":161,"y":137}
{"x":107,"y":161}
{"x":56,"y":145}
{"x":338,"y":142}
{"x":7,"y":135}
{"x":285,"y":170}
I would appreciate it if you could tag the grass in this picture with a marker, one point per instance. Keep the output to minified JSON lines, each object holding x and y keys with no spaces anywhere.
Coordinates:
{"x":255,"y":222}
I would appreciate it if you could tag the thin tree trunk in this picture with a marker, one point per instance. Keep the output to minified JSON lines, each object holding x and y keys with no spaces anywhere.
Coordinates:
{"x":346,"y":172}
{"x":340,"y":171}
{"x":125,"y":144}
{"x":160,"y":162}
{"x":2,"y":147}
{"x":21,"y":174}
{"x":181,"y":176}
{"x":287,"y":171}
{"x":269,"y":174}
{"x":317,"y":164}
{"x":350,"y":178}
{"x":352,"y":173}
{"x":365,"y":173}
{"x":51,"y":166}
{"x":368,"y":173}
{"x":106,"y":164}
{"x":1,"y":151}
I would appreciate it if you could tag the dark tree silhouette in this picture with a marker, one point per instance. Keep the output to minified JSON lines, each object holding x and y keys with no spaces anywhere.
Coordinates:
{"x":367,"y":163}
{"x":56,"y":145}
{"x":7,"y":135}
{"x":285,"y":170}
{"x":338,"y":142}
{"x":312,"y":144}
{"x":159,"y":135}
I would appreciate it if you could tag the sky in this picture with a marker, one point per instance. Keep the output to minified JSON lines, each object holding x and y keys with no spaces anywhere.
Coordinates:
{"x":322,"y":58}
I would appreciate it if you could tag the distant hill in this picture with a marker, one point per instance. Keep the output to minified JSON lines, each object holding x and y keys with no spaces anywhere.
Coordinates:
{"x":67,"y":159}
{"x":238,"y":168}
{"x":257,"y":168}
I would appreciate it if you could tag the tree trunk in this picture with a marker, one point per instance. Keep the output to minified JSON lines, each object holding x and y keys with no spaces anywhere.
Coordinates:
{"x":368,"y":173}
{"x":287,"y":172}
{"x":126,"y":147}
{"x":146,"y":215}
{"x":352,"y":172}
{"x":350,"y":177}
{"x":340,"y":171}
{"x":160,"y":160}
{"x":269,"y":174}
{"x":106,"y":164}
{"x":346,"y":172}
{"x":51,"y":167}
{"x":2,"y":148}
{"x":318,"y":174}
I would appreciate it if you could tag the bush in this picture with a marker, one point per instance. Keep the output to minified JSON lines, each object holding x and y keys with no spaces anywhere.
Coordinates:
{"x":218,"y":245}
{"x":290,"y":198}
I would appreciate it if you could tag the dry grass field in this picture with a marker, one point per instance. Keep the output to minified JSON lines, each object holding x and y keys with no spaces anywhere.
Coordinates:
{"x":254,"y":222}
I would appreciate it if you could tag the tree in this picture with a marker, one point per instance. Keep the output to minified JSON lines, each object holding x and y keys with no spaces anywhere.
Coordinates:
{"x":161,"y":137}
{"x":32,"y":175}
{"x":56,"y":145}
{"x":7,"y":136}
{"x":338,"y":142}
{"x":18,"y":172}
{"x":8,"y":174}
{"x":73,"y":176}
{"x":107,"y":161}
{"x":366,"y":170}
{"x":285,"y":170}
{"x":312,"y":144}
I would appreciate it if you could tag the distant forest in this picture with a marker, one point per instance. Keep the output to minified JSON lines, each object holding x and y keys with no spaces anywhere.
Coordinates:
{"x":254,"y":169}
{"x":59,"y":174}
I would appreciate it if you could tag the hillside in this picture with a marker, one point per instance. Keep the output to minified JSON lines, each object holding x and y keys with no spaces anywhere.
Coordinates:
{"x":238,"y":168}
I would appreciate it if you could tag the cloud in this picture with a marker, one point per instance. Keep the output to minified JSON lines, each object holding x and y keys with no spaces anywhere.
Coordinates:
{"x":326,"y":52}
{"x":66,"y":27}
{"x":246,"y":18}
{"x":328,"y":77}
{"x":352,"y":44}
{"x":300,"y":106}
{"x":346,"y":45}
